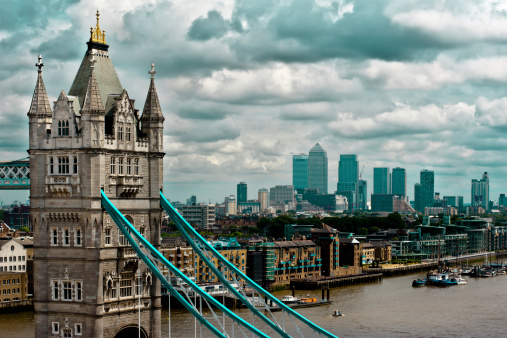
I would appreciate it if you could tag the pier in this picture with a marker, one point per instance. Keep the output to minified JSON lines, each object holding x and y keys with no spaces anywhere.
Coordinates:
{"x":334,"y":282}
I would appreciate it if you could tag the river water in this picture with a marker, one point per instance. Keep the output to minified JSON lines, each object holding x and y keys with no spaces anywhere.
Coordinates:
{"x":391,"y":308}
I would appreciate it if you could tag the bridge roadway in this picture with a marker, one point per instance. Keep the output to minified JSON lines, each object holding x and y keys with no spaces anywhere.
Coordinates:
{"x":15,"y":175}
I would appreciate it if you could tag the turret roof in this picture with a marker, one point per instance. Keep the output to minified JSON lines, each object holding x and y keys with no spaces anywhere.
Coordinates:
{"x":40,"y":102}
{"x":92,"y":100}
{"x":152,"y":105}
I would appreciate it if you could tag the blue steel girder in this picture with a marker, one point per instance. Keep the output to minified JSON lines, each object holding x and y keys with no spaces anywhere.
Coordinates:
{"x":15,"y":175}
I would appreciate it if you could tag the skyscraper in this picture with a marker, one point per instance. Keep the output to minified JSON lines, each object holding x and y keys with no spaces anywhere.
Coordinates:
{"x":427,"y":189}
{"x":241,"y":192}
{"x":399,"y":182}
{"x":348,"y":175}
{"x":317,"y":169}
{"x":300,"y":172}
{"x":480,"y":192}
{"x":362,"y":193}
{"x":263,"y":196}
{"x":381,"y":181}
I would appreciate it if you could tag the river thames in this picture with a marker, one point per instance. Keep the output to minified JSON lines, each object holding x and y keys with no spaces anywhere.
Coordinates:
{"x":391,"y":308}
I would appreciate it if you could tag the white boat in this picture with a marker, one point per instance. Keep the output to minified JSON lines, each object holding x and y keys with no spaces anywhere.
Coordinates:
{"x":289,"y":299}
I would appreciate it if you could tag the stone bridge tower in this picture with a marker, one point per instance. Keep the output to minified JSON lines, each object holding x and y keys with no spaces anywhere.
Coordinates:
{"x":89,"y":282}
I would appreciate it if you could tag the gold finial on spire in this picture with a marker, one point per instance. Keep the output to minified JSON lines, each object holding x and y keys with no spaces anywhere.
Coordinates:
{"x":96,"y":34}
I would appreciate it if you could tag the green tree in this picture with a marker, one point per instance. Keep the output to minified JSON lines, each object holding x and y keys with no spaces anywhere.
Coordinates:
{"x":24,"y":229}
{"x":1,"y":214}
{"x":263,"y":223}
{"x":277,"y":228}
{"x":373,"y":230}
{"x":362,"y":231}
{"x":395,"y":221}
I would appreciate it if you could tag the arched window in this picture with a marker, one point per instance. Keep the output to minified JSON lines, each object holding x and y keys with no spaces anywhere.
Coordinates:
{"x":59,"y":128}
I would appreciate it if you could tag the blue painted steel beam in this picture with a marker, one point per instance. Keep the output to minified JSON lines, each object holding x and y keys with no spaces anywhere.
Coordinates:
{"x":126,"y":228}
{"x":179,"y":220}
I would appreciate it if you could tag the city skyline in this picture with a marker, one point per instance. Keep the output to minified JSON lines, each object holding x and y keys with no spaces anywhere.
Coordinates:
{"x":242,"y":86}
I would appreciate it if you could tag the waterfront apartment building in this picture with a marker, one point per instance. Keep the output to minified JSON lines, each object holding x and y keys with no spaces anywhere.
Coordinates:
{"x":381,"y":180}
{"x":317,"y":169}
{"x":228,"y":248}
{"x":348,"y":176}
{"x":13,"y":286}
{"x":399,"y":182}
{"x":480,"y":192}
{"x":296,"y":259}
{"x":179,"y":254}
{"x":300,"y":172}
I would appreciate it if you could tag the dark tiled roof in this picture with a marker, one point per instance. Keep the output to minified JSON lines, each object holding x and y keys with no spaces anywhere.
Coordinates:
{"x":326,"y":229}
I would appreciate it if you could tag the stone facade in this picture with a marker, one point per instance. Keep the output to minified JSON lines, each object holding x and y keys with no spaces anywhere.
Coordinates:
{"x":89,"y":281}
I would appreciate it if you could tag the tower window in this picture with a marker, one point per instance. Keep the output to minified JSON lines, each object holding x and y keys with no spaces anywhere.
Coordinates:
{"x":113,"y":166}
{"x":107,"y":236}
{"x":63,"y":128}
{"x":128,"y":132}
{"x":51,"y":170}
{"x":79,"y":291}
{"x":67,"y":291}
{"x":78,"y":329}
{"x":136,"y":166}
{"x":120,"y":166}
{"x":63,"y":165}
{"x":120,"y":132}
{"x":129,"y":166}
{"x":75,"y":165}
{"x":55,"y":290}
{"x":78,"y":237}
{"x":55,"y":328}
{"x":54,"y":236}
{"x":66,"y":237}
{"x":126,"y":284}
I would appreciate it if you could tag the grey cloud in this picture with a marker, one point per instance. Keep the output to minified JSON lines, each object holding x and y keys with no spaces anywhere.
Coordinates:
{"x":205,"y":132}
{"x":204,"y":111}
{"x":213,"y":26}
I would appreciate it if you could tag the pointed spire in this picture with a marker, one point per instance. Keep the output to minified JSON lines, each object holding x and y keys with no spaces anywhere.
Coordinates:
{"x":152,"y":110}
{"x":40,"y":103}
{"x":92,"y":101}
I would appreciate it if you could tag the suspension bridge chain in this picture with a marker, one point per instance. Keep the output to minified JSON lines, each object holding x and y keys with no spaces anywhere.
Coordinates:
{"x":153,"y":259}
{"x":187,"y":229}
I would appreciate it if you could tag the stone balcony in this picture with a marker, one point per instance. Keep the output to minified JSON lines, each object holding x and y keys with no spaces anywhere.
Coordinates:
{"x":62,"y":185}
{"x":127,"y":186}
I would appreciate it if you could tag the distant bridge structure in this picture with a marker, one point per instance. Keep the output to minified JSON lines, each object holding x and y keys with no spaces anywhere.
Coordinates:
{"x":15,"y":175}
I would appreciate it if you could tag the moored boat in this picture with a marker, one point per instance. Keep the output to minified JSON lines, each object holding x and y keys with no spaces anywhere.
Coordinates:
{"x":289,"y":299}
{"x":419,"y":282}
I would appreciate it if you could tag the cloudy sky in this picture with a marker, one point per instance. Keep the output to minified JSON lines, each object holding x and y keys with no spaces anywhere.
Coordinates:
{"x":244,"y":84}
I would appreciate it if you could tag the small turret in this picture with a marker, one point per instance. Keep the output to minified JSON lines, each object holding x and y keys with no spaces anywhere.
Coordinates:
{"x":152,"y":120}
{"x":93,"y":113}
{"x":40,"y":113}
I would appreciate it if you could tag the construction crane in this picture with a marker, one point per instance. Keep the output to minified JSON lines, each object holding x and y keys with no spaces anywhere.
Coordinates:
{"x":361,"y":173}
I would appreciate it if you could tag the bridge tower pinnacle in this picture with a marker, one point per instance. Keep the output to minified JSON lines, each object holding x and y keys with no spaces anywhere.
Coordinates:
{"x":89,"y":281}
